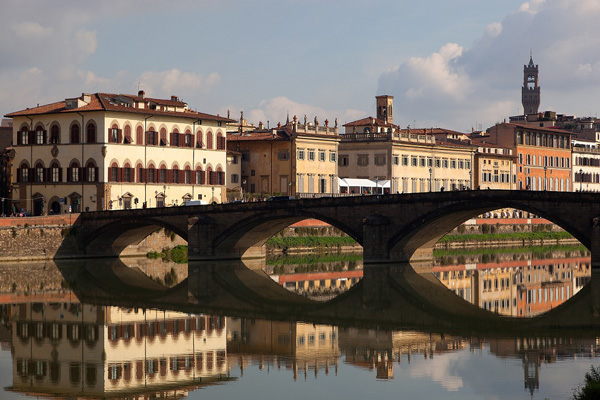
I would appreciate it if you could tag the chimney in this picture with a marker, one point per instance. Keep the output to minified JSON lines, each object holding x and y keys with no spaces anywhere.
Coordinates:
{"x":261,"y":126}
{"x":174,"y":98}
{"x":141,"y":94}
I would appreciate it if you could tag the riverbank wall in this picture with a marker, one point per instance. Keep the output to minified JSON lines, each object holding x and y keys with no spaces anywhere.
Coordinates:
{"x":41,"y":238}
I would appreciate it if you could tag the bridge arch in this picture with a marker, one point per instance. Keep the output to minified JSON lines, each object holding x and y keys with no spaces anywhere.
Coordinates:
{"x":247,"y":237}
{"x":415,"y":240}
{"x":113,"y":238}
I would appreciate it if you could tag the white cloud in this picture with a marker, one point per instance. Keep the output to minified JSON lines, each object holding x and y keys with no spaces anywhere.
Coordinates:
{"x":32,"y":30}
{"x":177,"y":82}
{"x":456,"y":86}
{"x":277,"y":109}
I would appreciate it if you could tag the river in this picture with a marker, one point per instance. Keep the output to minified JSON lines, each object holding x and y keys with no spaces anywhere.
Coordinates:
{"x":62,"y":337}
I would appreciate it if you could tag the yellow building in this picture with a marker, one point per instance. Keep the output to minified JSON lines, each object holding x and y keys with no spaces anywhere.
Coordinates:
{"x":80,"y":350}
{"x":112,"y":151}
{"x":495,"y":167}
{"x":296,"y":159}
{"x":411,"y":159}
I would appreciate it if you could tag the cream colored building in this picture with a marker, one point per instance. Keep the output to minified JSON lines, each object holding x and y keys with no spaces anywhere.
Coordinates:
{"x":296,"y":159}
{"x":412,"y":159}
{"x":81,"y":350}
{"x":110,"y":151}
{"x":414,"y":163}
{"x":495,"y":167}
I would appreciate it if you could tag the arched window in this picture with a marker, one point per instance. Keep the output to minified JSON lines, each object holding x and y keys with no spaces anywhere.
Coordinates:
{"x":199,"y":142}
{"x":139,"y":133}
{"x":187,"y":140}
{"x":220,"y":141}
{"x":128,"y":173}
{"x":23,"y":136}
{"x":200,"y":180}
{"x":91,"y":133}
{"x":163,"y":136}
{"x":220,"y":175}
{"x":40,"y":135}
{"x":91,"y":172}
{"x":175,"y":138}
{"x":75,"y":134}
{"x":175,"y":174}
{"x":151,"y":174}
{"x":23,"y":174}
{"x":113,"y":175}
{"x":187,"y":175}
{"x":210,"y":176}
{"x":151,"y":137}
{"x":140,"y":173}
{"x":128,"y":138}
{"x":55,"y":134}
{"x":73,"y":172}
{"x":114,"y":134}
{"x":55,"y":173}
{"x":162,"y":177}
{"x":209,"y":140}
{"x":40,"y":173}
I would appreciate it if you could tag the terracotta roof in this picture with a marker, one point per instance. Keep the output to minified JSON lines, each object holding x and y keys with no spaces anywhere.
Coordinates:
{"x":536,"y":128}
{"x":102,"y":102}
{"x":257,"y":135}
{"x":369,"y":121}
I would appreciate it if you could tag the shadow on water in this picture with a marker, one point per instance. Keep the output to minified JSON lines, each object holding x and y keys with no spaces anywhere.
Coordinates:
{"x":389,"y":297}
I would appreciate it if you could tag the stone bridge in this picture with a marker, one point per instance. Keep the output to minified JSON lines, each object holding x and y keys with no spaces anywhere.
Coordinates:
{"x":390,"y":228}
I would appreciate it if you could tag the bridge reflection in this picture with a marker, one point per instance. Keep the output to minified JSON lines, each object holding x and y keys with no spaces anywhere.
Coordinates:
{"x":390,"y":296}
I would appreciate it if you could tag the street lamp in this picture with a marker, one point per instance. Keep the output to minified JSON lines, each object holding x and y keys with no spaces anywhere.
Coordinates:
{"x":430,"y":172}
{"x":470,"y":179}
{"x":376,"y":185}
{"x":580,"y":179}
{"x":331,"y":179}
{"x":545,"y":169}
{"x":243,"y":184}
{"x":213,"y":194}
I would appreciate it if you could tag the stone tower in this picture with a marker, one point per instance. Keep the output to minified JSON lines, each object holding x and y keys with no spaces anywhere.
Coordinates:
{"x":531,"y":89}
{"x":385,"y":108}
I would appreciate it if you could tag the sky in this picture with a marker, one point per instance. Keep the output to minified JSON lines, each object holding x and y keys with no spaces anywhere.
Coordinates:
{"x":453,"y":64}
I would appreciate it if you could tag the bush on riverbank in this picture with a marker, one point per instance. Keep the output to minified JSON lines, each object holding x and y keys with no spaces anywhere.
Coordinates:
{"x":284,"y":243}
{"x":178,"y":254}
{"x":488,"y":237}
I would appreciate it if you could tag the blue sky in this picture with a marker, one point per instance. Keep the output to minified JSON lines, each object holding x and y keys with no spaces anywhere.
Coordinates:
{"x":454,"y":64}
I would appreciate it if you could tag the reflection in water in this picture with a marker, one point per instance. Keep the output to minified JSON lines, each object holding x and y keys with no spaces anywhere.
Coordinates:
{"x":95,"y":342}
{"x":71,"y":349}
{"x":517,"y":284}
{"x":74,"y":349}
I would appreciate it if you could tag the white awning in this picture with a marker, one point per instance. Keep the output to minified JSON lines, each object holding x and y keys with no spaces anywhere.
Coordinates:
{"x":363,"y":183}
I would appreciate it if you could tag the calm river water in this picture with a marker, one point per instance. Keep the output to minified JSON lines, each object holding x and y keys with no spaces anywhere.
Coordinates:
{"x":53,"y":345}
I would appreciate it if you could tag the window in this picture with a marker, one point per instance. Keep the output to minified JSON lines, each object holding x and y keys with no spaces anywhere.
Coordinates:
{"x":421,"y":162}
{"x":151,"y":174}
{"x":414,"y":161}
{"x":187,"y":176}
{"x":379,"y":159}
{"x":39,"y":136}
{"x":321,"y":155}
{"x":75,"y":133}
{"x":283,"y":155}
{"x":235,"y":178}
{"x":92,"y":175}
{"x":175,"y":173}
{"x":445,"y":163}
{"x":114,"y":135}
{"x":175,"y":140}
{"x":453,"y":164}
{"x":24,"y":135}
{"x":311,"y":155}
{"x":24,"y":173}
{"x":363,"y":160}
{"x":91,"y":133}
{"x":300,"y":154}
{"x":396,"y":160}
{"x":55,"y":173}
{"x":39,"y":173}
{"x":343,"y":160}
{"x":405,"y":161}
{"x":332,"y":156}
{"x":151,"y":138}
{"x":163,"y":174}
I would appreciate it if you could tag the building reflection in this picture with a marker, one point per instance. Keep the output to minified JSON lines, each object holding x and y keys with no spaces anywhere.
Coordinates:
{"x":517,"y":288}
{"x":74,"y":349}
{"x":302,"y":348}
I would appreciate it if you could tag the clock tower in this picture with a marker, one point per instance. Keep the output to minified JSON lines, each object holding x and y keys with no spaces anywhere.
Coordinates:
{"x":530,"y":93}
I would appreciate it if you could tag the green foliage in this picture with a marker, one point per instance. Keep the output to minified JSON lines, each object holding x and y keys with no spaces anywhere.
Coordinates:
{"x":179,"y":254}
{"x":591,"y":387}
{"x":314,"y":259}
{"x":310,"y":241}
{"x":488,"y":236}
{"x":536,"y":251}
{"x":153,"y":255}
{"x":170,"y":277}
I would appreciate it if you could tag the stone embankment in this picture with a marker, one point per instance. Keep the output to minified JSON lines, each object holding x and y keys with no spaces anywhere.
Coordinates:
{"x":40,"y":238}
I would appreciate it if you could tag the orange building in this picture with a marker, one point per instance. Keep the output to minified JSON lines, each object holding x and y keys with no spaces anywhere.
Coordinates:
{"x":543,"y":155}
